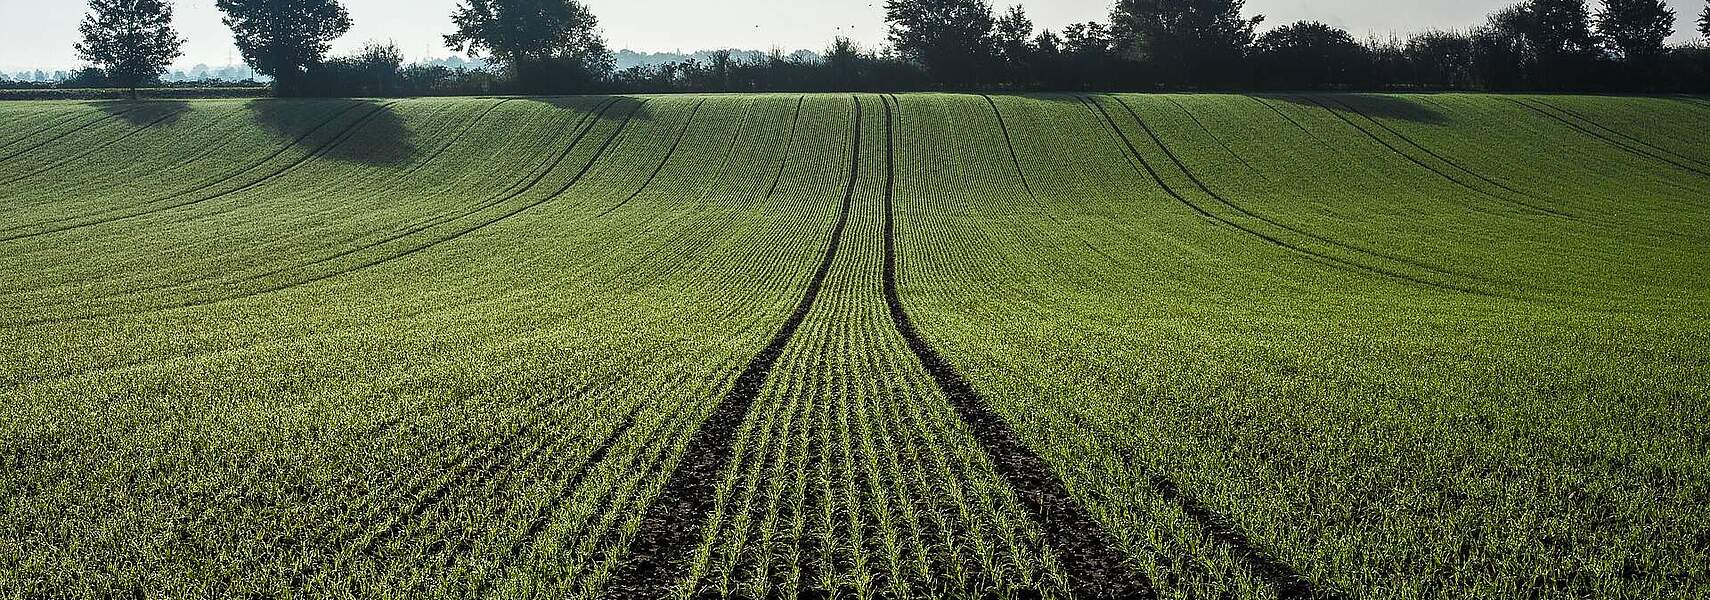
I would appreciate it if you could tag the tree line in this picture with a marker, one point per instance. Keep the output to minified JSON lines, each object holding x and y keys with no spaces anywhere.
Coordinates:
{"x":554,"y":47}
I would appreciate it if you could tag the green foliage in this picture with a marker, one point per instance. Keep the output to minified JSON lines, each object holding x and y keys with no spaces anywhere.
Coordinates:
{"x":1704,"y":21}
{"x":284,"y":39}
{"x":1186,"y":41}
{"x":1405,"y":345}
{"x":1309,"y":53}
{"x":375,"y":70}
{"x":953,"y":39}
{"x":1558,"y":30}
{"x":131,"y":41}
{"x":546,"y":44}
{"x":1636,"y":29}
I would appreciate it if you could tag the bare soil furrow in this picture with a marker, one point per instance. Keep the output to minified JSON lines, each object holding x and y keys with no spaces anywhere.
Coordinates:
{"x":1096,"y":569}
{"x":672,"y":526}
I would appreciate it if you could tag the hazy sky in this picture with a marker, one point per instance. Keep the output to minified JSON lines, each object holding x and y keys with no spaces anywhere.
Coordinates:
{"x":39,"y":33}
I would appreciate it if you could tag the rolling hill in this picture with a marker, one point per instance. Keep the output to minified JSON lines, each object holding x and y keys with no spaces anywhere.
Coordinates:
{"x":914,"y":346}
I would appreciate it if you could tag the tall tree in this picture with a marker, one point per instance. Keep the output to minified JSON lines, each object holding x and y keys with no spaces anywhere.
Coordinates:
{"x":130,"y":41}
{"x":1186,"y":41}
{"x":952,"y":39}
{"x":1636,"y":29}
{"x":283,"y":39}
{"x":1561,"y":35}
{"x":1704,"y":21}
{"x":547,"y":45}
{"x":1014,"y":34}
{"x":1308,"y":54}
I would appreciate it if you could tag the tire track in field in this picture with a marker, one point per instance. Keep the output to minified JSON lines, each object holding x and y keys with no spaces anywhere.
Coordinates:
{"x":1287,"y":582}
{"x":1296,"y":124}
{"x":210,"y":150}
{"x":509,"y":192}
{"x":1216,"y":138}
{"x":672,"y":527}
{"x":1533,"y":106}
{"x":1445,"y":160}
{"x":1220,"y":198}
{"x":1618,"y":133}
{"x":366,"y":265}
{"x":1324,"y":259}
{"x":1422,"y":164}
{"x":456,"y":138}
{"x":110,"y":116}
{"x":58,"y":121}
{"x":1086,"y":553}
{"x":234,"y":175}
{"x":96,"y":148}
{"x":542,"y":517}
{"x":477,"y":462}
{"x":788,"y":145}
{"x":1693,"y":102}
{"x":672,"y":151}
{"x":582,"y":128}
{"x":1015,"y":159}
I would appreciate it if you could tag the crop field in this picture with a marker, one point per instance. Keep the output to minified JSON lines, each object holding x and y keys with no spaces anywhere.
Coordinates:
{"x":871,"y":346}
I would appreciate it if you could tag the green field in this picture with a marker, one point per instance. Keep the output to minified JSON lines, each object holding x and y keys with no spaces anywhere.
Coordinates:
{"x":916,"y":346}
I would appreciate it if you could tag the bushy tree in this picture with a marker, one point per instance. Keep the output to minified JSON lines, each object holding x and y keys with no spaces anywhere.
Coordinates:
{"x":1561,"y":39}
{"x":1186,"y":41}
{"x":843,"y":63}
{"x":952,"y":39}
{"x":547,"y":45}
{"x":1636,"y":30}
{"x":284,"y":39}
{"x":1502,"y":57}
{"x":1014,"y":35}
{"x":1308,"y":54}
{"x":1704,"y":21}
{"x":1560,"y":27}
{"x":375,"y":70}
{"x":1441,"y":59}
{"x":131,"y":41}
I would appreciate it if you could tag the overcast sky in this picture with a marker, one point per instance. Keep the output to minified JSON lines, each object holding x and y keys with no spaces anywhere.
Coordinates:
{"x":39,"y":33}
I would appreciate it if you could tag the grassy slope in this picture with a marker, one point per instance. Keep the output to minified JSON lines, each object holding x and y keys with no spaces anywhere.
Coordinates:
{"x":1403,"y":344}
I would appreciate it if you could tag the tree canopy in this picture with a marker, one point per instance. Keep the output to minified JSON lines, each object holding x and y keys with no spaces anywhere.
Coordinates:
{"x":1186,"y":41}
{"x":1308,"y":53}
{"x":539,"y":41}
{"x":1704,"y":21}
{"x":131,"y":41}
{"x":283,"y":39}
{"x":952,"y":39}
{"x":1636,"y":29}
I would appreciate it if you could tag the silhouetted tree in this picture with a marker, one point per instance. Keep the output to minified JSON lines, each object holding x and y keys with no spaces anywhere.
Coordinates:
{"x":283,"y":39}
{"x":952,"y":39}
{"x":131,"y":41}
{"x":375,"y":70}
{"x":1502,"y":56}
{"x":1560,"y":36}
{"x":1308,"y":54}
{"x":843,"y":63}
{"x":1186,"y":41}
{"x":547,"y":45}
{"x":1014,"y":35}
{"x":1441,"y":59}
{"x":1704,"y":22}
{"x":1089,"y":59}
{"x":1636,"y":29}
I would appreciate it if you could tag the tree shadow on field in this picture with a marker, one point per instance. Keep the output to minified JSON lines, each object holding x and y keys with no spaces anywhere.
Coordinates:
{"x":144,"y":113}
{"x":620,"y":108}
{"x":362,"y":132}
{"x":1377,"y":106}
